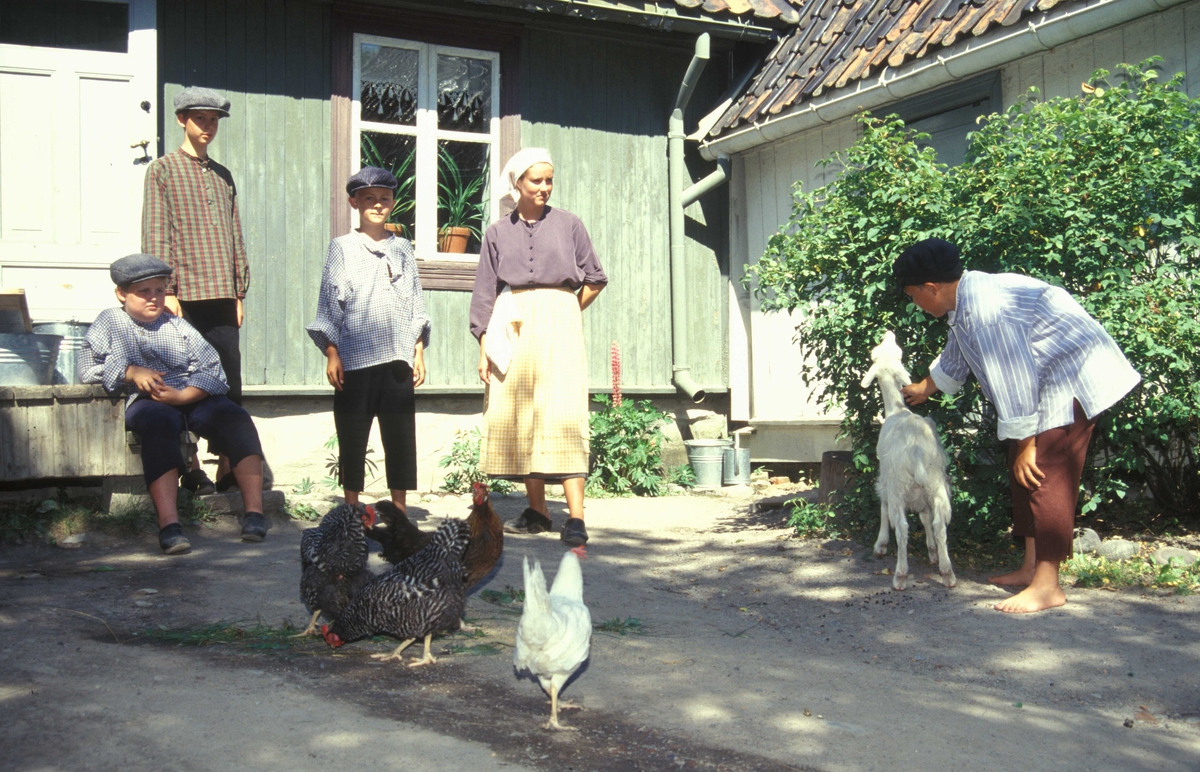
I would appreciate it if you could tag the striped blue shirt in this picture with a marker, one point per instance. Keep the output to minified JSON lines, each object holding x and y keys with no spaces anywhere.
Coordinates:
{"x":168,"y":344}
{"x":370,"y":306}
{"x":1034,"y":351}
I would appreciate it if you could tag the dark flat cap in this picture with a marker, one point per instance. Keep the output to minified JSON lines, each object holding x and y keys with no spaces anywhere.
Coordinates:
{"x":134,"y":268}
{"x":370,"y":177}
{"x":200,"y":98}
{"x":931,"y":260}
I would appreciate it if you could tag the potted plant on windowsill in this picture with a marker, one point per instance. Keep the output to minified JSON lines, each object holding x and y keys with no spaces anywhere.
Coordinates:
{"x":464,"y":217}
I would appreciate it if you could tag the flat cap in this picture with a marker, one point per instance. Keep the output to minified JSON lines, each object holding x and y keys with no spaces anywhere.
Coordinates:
{"x":370,"y":177}
{"x":931,"y":260}
{"x":200,"y":98}
{"x":134,"y":268}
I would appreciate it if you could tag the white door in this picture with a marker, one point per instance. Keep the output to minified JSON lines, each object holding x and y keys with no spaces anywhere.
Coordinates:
{"x":72,"y":165}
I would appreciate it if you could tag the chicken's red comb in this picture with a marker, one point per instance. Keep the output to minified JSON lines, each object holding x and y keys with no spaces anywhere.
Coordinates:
{"x":581,"y":551}
{"x":371,"y":513}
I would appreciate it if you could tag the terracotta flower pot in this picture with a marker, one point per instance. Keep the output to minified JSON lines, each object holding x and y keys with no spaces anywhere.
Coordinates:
{"x":453,"y":239}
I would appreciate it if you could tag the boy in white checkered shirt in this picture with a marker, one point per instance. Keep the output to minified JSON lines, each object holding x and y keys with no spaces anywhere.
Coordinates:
{"x":373,"y":329}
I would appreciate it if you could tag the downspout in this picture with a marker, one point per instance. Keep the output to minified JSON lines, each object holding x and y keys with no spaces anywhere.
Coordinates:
{"x":678,"y":200}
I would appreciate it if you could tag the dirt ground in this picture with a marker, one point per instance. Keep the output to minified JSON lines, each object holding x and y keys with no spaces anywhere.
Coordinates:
{"x":755,"y":651}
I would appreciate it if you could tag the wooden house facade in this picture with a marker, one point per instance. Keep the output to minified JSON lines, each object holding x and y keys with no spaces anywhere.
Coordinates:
{"x":311,"y":83}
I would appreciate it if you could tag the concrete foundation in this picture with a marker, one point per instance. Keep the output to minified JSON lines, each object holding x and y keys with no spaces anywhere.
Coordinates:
{"x":295,"y":430}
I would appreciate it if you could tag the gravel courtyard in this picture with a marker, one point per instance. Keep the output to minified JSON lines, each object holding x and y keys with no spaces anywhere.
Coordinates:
{"x":732,"y":646}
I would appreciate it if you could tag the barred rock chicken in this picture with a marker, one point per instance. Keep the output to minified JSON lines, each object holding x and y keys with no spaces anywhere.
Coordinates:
{"x":555,"y":632}
{"x":421,"y":596}
{"x":401,"y":539}
{"x":333,"y":561}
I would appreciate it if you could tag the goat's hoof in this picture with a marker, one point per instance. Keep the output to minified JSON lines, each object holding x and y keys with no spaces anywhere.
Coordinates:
{"x":949,"y":579}
{"x":899,"y":581}
{"x":880,"y":550}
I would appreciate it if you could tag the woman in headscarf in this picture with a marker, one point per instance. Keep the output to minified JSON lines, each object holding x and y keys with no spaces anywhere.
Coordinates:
{"x":537,"y":272}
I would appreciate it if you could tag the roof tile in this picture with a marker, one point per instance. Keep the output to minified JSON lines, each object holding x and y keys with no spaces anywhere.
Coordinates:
{"x":834,"y":43}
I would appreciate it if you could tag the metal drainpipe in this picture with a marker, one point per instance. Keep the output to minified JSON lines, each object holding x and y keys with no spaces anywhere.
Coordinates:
{"x":678,"y":199}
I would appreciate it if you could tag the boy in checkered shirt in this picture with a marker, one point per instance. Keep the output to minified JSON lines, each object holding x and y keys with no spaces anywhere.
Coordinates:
{"x":373,"y":329}
{"x":177,"y":383}
{"x":190,"y":219}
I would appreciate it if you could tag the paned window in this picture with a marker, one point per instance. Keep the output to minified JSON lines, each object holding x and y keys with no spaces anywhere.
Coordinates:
{"x":430,"y":114}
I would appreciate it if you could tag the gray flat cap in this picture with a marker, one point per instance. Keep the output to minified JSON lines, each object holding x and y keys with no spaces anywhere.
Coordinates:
{"x":200,"y":98}
{"x":134,"y":268}
{"x":371,"y":177}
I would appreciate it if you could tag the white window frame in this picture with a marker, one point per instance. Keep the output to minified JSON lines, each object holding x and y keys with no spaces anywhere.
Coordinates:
{"x":428,"y":134}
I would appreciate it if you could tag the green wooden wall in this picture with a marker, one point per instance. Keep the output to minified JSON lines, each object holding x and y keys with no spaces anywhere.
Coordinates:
{"x":271,"y":58}
{"x":601,"y":108}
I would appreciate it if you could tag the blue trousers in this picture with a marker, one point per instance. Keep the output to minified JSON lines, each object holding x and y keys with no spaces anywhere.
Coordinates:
{"x":227,"y":427}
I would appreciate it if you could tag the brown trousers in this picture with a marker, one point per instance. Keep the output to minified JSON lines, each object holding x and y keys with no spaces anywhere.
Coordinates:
{"x":1048,"y":513}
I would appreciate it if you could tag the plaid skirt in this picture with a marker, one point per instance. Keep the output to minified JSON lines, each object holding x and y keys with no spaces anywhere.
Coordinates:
{"x":535,"y":416}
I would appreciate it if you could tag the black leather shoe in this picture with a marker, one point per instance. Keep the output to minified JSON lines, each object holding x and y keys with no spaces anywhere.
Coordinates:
{"x":197,"y":482}
{"x":226,"y":482}
{"x":255,"y":526}
{"x":172,"y":540}
{"x":574,"y":532}
{"x":530,"y":521}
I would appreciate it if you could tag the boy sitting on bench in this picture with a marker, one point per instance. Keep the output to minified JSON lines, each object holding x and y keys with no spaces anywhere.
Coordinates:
{"x":178,"y":383}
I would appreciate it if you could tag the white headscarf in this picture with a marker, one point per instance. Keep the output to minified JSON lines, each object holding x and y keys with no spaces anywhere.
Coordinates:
{"x":513,"y":171}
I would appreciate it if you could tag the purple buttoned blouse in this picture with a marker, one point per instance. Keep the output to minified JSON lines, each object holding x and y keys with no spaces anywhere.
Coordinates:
{"x":555,"y":251}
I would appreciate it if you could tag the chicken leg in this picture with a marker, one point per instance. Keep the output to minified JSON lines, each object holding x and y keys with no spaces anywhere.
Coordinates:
{"x":553,"y":724}
{"x":428,"y":658}
{"x":395,"y":654}
{"x":312,"y":626}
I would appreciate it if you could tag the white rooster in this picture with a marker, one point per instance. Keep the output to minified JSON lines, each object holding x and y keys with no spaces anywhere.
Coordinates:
{"x":555,"y":631}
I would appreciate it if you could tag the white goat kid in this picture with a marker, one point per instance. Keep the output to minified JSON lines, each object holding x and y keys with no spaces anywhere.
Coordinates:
{"x":912,"y":468}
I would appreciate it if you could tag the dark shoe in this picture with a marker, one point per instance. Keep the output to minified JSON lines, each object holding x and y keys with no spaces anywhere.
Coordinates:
{"x":226,"y":482}
{"x":172,"y":540}
{"x":197,"y":482}
{"x":530,"y":521}
{"x":255,"y":526}
{"x":574,"y":532}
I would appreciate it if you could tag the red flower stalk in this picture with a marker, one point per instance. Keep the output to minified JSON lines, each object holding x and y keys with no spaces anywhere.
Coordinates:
{"x":616,"y":374}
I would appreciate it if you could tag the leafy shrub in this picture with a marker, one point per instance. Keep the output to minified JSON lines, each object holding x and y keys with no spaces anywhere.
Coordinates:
{"x":1095,"y":194}
{"x":811,"y":519}
{"x":463,"y":463}
{"x":627,"y":448}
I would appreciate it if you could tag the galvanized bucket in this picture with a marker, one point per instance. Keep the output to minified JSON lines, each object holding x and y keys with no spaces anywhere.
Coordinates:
{"x":27,"y":359}
{"x":736,"y":465}
{"x":72,"y":334}
{"x":706,"y":459}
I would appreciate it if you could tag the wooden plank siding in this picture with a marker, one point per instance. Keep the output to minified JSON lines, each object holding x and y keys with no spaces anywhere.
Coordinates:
{"x":271,"y":58}
{"x":601,"y":108}
{"x":599,"y":104}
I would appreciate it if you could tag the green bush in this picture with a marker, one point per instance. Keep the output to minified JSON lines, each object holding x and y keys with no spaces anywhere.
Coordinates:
{"x":1095,"y":194}
{"x":463,"y":463}
{"x":626,"y":448}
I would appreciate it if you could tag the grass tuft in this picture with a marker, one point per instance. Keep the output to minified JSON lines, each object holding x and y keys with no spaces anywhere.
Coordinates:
{"x":1140,"y":571}
{"x":257,"y":636}
{"x":510,"y":596}
{"x":618,"y":626}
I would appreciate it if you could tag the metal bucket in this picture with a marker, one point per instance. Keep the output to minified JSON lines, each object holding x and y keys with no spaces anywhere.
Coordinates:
{"x":72,"y":334}
{"x":736,"y":466}
{"x":27,"y":359}
{"x":705,"y":457}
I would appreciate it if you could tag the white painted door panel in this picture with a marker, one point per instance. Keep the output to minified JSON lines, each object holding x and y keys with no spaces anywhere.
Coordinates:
{"x":70,"y":182}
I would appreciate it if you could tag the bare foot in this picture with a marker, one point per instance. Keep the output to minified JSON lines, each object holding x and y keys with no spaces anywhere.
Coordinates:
{"x":1031,"y":599}
{"x":1019,"y":578}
